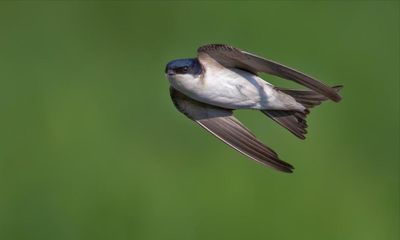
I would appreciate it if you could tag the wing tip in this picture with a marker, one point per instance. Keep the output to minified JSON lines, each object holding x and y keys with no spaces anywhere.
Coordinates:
{"x":285,"y":169}
{"x":280,"y":165}
{"x":336,"y":97}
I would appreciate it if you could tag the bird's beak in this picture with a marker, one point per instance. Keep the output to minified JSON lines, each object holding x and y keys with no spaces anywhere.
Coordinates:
{"x":170,"y":72}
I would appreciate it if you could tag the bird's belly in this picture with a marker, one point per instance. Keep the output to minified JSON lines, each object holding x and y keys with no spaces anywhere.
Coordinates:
{"x":234,"y":89}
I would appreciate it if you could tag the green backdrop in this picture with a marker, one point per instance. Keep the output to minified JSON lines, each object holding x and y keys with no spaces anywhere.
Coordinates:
{"x":91,"y":146}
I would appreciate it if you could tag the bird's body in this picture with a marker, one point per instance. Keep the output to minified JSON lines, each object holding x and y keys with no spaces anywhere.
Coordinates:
{"x":233,"y":89}
{"x":223,"y":78}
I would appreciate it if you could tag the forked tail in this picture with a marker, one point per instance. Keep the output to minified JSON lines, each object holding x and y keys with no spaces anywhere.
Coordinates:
{"x":295,"y":121}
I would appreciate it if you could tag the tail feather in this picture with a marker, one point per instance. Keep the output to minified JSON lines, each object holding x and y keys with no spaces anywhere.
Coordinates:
{"x":308,"y":99}
{"x":295,"y":121}
{"x":291,"y":120}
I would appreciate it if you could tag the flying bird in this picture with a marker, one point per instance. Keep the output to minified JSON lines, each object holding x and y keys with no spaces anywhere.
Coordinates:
{"x":222,"y":78}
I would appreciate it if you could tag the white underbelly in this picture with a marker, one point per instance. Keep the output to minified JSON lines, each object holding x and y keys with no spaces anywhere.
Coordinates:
{"x":236,"y":89}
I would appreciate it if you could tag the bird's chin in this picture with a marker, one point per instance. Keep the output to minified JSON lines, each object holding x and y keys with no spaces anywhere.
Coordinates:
{"x":172,"y":79}
{"x":170,"y":76}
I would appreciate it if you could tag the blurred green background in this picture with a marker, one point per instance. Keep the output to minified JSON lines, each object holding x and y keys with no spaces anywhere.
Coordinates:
{"x":92,"y":147}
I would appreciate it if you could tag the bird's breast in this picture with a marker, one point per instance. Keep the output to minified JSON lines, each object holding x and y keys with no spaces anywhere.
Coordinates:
{"x":231,"y":88}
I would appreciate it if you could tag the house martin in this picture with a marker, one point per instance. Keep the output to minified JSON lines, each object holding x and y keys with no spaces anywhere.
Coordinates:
{"x":222,"y":78}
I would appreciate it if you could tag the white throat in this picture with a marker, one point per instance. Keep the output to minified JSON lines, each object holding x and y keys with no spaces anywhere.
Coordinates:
{"x":185,"y":83}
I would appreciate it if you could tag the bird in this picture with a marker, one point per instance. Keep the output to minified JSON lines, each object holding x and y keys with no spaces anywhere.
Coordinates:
{"x":221,"y":79}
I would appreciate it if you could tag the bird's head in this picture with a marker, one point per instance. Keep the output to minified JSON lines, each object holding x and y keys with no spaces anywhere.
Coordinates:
{"x":183,"y":69}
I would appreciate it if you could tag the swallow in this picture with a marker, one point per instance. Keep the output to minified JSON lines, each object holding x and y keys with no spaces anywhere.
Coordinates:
{"x":221,"y":79}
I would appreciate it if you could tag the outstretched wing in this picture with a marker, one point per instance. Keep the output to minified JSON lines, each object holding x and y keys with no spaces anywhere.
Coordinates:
{"x":229,"y":56}
{"x":221,"y":123}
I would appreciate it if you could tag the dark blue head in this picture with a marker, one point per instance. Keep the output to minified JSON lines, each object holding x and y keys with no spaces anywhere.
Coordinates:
{"x":183,"y":66}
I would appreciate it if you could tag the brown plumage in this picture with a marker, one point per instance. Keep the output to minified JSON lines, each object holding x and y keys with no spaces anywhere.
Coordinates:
{"x":222,"y":124}
{"x":232,"y":57}
{"x":294,"y":121}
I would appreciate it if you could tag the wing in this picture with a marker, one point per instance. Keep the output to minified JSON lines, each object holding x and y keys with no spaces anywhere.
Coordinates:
{"x":229,"y":56}
{"x":221,"y":123}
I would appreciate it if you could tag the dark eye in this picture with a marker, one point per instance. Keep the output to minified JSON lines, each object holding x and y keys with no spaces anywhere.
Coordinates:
{"x":184,"y":69}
